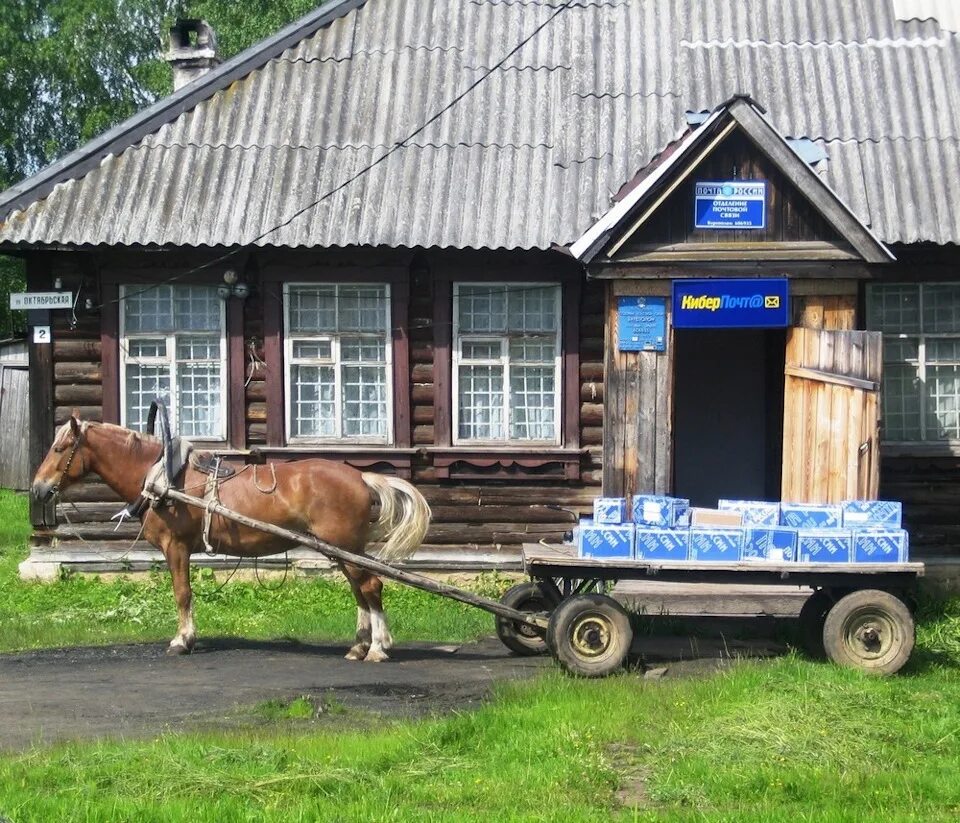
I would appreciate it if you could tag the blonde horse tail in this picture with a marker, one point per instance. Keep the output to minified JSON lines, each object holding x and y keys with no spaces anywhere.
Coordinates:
{"x":404,"y":516}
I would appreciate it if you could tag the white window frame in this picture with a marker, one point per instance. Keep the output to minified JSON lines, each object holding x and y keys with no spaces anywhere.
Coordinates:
{"x":921,"y":337}
{"x":170,"y":361}
{"x":333,"y":336}
{"x":504,"y":362}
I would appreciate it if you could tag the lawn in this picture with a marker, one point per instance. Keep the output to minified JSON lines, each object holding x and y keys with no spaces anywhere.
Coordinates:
{"x":783,"y":740}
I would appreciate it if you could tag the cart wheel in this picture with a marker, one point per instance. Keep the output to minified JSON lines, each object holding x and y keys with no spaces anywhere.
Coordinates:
{"x":812,"y":616}
{"x":522,"y":638}
{"x":870,"y":630}
{"x":590,"y":635}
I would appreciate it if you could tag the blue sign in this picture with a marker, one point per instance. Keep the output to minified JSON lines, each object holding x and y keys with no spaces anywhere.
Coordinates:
{"x":642,"y":323}
{"x":730,"y":204}
{"x":731,"y":304}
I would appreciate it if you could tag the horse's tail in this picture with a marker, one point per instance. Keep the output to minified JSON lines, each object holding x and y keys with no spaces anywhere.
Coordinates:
{"x":404,"y":515}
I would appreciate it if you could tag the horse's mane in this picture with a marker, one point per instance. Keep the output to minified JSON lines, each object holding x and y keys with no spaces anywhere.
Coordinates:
{"x":136,"y":441}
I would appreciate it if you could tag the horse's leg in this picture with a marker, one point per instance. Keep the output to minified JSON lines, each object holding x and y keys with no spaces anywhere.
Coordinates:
{"x":380,"y":638}
{"x":178,"y":560}
{"x":362,"y":642}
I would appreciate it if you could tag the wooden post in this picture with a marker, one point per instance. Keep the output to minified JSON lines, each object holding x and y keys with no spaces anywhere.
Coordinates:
{"x":41,"y":388}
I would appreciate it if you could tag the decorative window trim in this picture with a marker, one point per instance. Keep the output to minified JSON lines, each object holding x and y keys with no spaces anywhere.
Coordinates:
{"x":469,"y":462}
{"x":334,"y":338}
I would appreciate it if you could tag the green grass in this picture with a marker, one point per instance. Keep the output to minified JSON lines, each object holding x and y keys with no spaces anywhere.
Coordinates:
{"x":787,"y":740}
{"x":84,"y":610}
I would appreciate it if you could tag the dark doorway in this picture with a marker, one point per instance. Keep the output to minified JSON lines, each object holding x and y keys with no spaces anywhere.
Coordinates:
{"x":728,"y":414}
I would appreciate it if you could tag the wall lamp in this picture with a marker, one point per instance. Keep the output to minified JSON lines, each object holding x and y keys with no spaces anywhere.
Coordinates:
{"x":233,"y":286}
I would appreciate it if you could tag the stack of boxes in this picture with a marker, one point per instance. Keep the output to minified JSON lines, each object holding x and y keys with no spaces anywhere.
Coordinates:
{"x":667,"y":528}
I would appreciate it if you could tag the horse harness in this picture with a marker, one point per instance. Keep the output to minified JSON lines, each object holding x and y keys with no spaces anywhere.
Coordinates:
{"x":69,"y":463}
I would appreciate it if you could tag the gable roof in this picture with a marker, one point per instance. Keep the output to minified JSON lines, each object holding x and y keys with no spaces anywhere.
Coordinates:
{"x":744,"y":114}
{"x":530,"y":157}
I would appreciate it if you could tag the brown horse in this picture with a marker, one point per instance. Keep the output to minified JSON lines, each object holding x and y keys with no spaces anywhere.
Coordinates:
{"x":331,"y":501}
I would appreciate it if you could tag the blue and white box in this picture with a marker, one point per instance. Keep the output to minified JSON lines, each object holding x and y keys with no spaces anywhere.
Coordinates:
{"x":771,"y":544}
{"x":716,"y":544}
{"x":610,"y":510}
{"x":824,"y":545}
{"x":755,"y":512}
{"x":868,"y":513}
{"x":811,"y":516}
{"x":881,"y":545}
{"x":660,"y":510}
{"x":654,"y":543}
{"x":605,"y":540}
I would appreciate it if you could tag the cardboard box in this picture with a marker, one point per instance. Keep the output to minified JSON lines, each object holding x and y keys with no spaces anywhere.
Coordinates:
{"x":882,"y":545}
{"x":605,"y":540}
{"x":811,"y":516}
{"x":772,"y":544}
{"x":824,"y":545}
{"x":859,"y":514}
{"x":660,"y":510}
{"x":715,"y":517}
{"x":654,"y":543}
{"x":716,"y":544}
{"x":755,"y":512}
{"x":610,"y":510}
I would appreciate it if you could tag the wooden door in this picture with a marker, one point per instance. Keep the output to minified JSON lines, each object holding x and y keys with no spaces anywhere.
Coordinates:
{"x":831,"y":415}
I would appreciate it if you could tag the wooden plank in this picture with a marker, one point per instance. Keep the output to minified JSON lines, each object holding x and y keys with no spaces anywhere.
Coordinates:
{"x":840,"y":435}
{"x":614,"y":390}
{"x":824,"y":425}
{"x":663,"y":445}
{"x":110,"y":351}
{"x":41,"y":388}
{"x":823,"y":376}
{"x":440,"y":396}
{"x":400,"y":312}
{"x":236,"y":375}
{"x":646,"y":443}
{"x":14,"y":428}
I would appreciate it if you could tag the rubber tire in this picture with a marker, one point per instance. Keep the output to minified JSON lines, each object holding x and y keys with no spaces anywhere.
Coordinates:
{"x":589,"y":613}
{"x":812,"y":617}
{"x":520,"y":638}
{"x":861,"y":609}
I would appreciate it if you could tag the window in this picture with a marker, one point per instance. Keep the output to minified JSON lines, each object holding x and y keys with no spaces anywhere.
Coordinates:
{"x":338,"y":357}
{"x":506,"y":362}
{"x":173,"y":336}
{"x":921,"y":359}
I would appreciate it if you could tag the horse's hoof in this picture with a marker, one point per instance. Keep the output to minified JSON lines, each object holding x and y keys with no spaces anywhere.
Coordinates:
{"x":357,"y":652}
{"x":376,"y":656}
{"x":177,"y":649}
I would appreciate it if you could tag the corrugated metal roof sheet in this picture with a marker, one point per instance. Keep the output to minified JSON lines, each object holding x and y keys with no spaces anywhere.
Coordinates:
{"x":534,"y":154}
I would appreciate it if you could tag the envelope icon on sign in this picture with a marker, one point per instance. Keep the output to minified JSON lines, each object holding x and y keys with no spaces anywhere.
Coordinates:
{"x":771,"y":301}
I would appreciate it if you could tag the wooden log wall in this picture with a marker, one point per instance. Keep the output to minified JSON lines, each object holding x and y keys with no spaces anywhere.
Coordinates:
{"x":474,"y":522}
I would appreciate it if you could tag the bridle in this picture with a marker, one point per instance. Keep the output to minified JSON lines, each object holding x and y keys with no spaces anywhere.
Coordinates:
{"x":55,"y":490}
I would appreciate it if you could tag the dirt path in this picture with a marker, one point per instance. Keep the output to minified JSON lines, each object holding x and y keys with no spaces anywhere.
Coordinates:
{"x":136,"y":690}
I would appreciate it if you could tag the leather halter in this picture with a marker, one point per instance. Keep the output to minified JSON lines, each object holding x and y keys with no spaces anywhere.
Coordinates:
{"x":73,"y":453}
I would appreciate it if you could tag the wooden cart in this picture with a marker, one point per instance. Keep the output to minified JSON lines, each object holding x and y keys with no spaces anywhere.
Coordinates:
{"x":857,"y":615}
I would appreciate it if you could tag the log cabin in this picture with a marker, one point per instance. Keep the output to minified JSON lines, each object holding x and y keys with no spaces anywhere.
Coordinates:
{"x":523,"y":253}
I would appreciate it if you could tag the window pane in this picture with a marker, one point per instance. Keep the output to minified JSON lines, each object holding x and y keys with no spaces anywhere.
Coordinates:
{"x":313,"y":409}
{"x":143,"y":348}
{"x":144,"y":384}
{"x":198,"y":348}
{"x":363,"y":350}
{"x":147,"y":309}
{"x":313,"y":349}
{"x":901,"y":351}
{"x":196,"y":308}
{"x":313,"y":309}
{"x":533,"y":308}
{"x":482,"y":308}
{"x":943,"y":388}
{"x":481,"y":350}
{"x":199,"y":392}
{"x":901,"y":402}
{"x":941,"y":351}
{"x":362,"y":308}
{"x":481,"y":403}
{"x":364,"y":401}
{"x":941,"y":308}
{"x":533,"y":350}
{"x":532,"y":414}
{"x":893,"y":309}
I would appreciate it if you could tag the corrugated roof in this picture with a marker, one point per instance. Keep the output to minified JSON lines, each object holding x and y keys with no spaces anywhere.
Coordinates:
{"x":533,"y":155}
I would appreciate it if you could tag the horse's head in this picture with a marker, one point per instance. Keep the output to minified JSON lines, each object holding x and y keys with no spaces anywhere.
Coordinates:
{"x":64,"y":464}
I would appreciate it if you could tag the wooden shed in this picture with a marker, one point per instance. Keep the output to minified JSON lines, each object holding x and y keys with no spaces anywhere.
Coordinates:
{"x":524,"y":255}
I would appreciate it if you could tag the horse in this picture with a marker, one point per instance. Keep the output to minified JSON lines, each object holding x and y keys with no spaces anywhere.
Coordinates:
{"x":331,"y":501}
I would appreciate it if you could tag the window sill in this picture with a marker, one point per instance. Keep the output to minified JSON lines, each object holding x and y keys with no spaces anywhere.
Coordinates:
{"x":946,"y":448}
{"x":365,"y":458}
{"x":506,"y":463}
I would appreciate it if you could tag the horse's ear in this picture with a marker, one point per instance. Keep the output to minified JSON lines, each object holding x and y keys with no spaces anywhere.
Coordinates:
{"x":75,"y":424}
